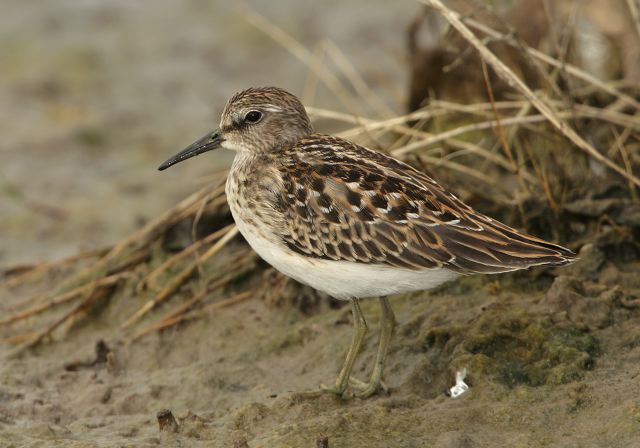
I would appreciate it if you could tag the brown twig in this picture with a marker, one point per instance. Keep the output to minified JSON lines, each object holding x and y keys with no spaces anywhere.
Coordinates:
{"x":570,"y":69}
{"x":635,"y":14}
{"x":180,"y":279}
{"x":95,"y":296}
{"x":234,"y":273}
{"x":508,"y":76}
{"x":429,"y":139}
{"x":618,"y":142}
{"x":152,"y":277}
{"x":544,"y":180}
{"x":18,"y":338}
{"x":311,"y":82}
{"x":177,"y":319}
{"x":305,"y":56}
{"x":138,"y":239}
{"x":198,"y":216}
{"x":66,"y":297}
{"x":357,"y":81}
{"x":499,"y":128}
{"x":28,"y":273}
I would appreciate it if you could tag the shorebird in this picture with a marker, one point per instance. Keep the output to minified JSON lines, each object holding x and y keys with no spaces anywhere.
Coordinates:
{"x":349,"y":221}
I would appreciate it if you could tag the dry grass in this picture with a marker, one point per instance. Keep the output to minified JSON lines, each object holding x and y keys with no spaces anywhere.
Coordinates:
{"x":500,"y":155}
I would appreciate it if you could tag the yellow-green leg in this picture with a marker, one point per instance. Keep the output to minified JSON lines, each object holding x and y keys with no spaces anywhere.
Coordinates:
{"x":387,"y":324}
{"x":359,"y":332}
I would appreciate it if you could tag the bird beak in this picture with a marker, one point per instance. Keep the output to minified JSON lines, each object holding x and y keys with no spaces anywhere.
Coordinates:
{"x":209,"y":142}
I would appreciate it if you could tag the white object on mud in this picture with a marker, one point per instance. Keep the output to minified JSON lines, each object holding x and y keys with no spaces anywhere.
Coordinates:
{"x":460,"y":387}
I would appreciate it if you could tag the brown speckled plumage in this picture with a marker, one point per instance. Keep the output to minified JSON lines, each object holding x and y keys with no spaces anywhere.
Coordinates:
{"x":325,"y":197}
{"x":350,"y":221}
{"x":345,"y":202}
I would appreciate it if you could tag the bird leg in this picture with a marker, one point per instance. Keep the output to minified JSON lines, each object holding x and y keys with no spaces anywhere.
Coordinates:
{"x":359,"y":332}
{"x":387,"y":324}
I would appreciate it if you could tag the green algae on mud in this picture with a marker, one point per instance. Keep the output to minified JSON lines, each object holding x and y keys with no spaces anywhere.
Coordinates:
{"x":538,"y":354}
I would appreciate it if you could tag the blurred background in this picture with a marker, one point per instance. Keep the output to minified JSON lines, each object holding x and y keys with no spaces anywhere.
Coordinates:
{"x":95,"y":94}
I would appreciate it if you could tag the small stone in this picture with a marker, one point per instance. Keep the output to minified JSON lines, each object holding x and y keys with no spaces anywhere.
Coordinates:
{"x":322,"y":441}
{"x":166,"y":421}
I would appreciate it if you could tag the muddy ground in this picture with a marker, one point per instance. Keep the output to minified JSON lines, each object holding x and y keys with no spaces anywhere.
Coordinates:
{"x":95,"y":95}
{"x":552,"y":360}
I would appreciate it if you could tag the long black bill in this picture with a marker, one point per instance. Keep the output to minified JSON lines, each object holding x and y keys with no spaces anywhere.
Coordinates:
{"x":209,"y":142}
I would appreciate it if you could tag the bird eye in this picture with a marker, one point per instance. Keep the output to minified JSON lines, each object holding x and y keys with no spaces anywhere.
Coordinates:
{"x":253,"y":116}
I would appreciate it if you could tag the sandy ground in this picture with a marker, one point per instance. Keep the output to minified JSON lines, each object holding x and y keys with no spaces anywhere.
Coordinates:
{"x":95,"y":94}
{"x":551,"y":362}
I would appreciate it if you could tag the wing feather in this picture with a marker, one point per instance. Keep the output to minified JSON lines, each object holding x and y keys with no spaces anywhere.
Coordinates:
{"x":346,"y":202}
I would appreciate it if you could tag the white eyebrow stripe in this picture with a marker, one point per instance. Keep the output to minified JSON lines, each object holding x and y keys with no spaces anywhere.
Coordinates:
{"x":272,"y":108}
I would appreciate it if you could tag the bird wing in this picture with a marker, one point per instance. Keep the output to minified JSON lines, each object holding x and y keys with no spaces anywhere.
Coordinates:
{"x":345,"y":202}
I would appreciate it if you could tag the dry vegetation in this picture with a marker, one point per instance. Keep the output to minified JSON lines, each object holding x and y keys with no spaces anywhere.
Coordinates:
{"x":559,"y":162}
{"x":558,"y":156}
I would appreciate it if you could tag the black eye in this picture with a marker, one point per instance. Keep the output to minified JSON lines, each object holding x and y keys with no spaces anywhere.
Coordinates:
{"x":253,"y":116}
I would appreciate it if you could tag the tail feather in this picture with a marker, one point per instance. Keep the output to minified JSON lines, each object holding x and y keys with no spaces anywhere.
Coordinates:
{"x":499,"y":248}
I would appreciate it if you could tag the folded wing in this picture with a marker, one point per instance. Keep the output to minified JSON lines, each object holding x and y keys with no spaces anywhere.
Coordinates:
{"x":346,"y":202}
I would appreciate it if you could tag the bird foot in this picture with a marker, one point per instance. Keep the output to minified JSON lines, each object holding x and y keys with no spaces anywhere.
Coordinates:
{"x":324,"y":390}
{"x":355,"y":389}
{"x":361,"y":389}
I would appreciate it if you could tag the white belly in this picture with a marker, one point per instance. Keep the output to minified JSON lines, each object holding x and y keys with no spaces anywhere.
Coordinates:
{"x":341,"y":279}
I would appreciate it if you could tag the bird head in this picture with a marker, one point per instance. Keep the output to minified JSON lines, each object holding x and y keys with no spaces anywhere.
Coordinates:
{"x":254,"y":120}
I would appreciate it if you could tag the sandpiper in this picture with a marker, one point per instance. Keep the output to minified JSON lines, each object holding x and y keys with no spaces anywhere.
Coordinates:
{"x":350,"y":221}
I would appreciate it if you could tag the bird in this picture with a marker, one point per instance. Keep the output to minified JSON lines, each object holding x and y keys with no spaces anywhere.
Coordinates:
{"x":349,"y":221}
